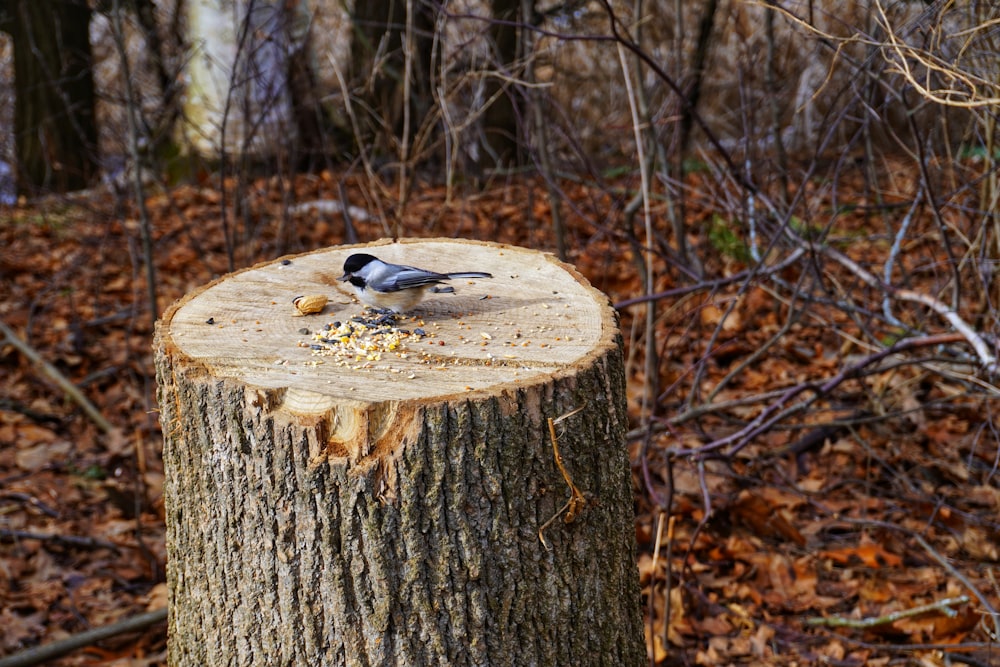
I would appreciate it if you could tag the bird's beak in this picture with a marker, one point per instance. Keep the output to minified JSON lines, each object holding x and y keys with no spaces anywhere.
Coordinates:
{"x":344,"y":277}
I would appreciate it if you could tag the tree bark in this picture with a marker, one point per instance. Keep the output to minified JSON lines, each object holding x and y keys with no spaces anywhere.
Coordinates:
{"x":54,"y":124}
{"x":393,"y":510}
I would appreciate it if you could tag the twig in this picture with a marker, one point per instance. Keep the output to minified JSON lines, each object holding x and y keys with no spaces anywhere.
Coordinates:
{"x":27,"y":498}
{"x":950,"y":649}
{"x":962,"y":578}
{"x":973,"y":97}
{"x":991,"y":633}
{"x":350,"y":233}
{"x":986,"y":356}
{"x":710,"y":285}
{"x":42,"y":654}
{"x":54,"y":374}
{"x":706,"y":503}
{"x":133,"y":145}
{"x":65,"y":540}
{"x":362,"y":152}
{"x":576,"y":500}
{"x":776,"y":411}
{"x":943,"y":606}
{"x":667,"y":580}
{"x":660,"y":517}
{"x":897,"y":244}
{"x":651,"y":366}
{"x":934,"y":205}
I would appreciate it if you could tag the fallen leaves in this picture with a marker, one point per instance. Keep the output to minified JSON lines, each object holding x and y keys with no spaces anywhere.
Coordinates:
{"x":784,"y":537}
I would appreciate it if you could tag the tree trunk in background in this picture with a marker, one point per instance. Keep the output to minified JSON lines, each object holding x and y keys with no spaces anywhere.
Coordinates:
{"x":54,"y":124}
{"x":238,"y":100}
{"x":390,"y":509}
{"x":500,"y":121}
{"x":318,"y":137}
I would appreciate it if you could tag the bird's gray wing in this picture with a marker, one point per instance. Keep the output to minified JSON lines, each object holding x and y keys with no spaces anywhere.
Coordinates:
{"x":409,"y":277}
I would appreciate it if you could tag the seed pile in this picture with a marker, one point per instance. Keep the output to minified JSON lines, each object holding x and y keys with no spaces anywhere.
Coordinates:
{"x":365,"y":339}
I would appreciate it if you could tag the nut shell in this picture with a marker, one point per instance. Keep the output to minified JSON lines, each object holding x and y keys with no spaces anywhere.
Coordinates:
{"x":309,"y":304}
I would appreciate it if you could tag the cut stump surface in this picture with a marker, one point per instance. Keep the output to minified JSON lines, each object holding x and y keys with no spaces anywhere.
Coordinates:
{"x":534,"y":317}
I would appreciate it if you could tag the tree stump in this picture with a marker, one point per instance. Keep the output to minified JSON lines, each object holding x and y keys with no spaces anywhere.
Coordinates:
{"x":404,"y":505}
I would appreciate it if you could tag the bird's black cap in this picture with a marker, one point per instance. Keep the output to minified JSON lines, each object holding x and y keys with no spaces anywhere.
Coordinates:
{"x":355,"y":263}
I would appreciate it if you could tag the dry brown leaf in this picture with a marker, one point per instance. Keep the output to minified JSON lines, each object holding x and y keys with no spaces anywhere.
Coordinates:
{"x":33,"y":459}
{"x":870,"y":554}
{"x":711,"y":315}
{"x":765,"y":518}
{"x":20,"y":629}
{"x":25,"y":434}
{"x":655,"y":647}
{"x":760,"y":641}
{"x":981,"y":544}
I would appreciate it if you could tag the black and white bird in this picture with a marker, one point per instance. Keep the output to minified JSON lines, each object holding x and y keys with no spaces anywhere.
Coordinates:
{"x":393,"y":287}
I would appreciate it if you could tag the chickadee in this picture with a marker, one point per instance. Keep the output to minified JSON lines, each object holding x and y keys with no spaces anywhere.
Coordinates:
{"x":393,"y":286}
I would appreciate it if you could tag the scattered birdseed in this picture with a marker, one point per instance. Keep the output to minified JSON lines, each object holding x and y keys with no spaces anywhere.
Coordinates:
{"x":362,"y":341}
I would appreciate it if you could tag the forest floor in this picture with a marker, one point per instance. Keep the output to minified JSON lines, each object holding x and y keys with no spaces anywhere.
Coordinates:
{"x":871,"y":541}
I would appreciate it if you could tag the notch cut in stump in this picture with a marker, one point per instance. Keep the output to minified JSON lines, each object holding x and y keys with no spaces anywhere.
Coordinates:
{"x":387,"y":507}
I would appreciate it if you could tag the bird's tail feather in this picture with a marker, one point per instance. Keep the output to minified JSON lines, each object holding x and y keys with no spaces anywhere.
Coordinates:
{"x":470,"y":274}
